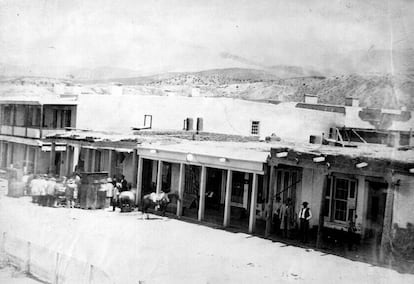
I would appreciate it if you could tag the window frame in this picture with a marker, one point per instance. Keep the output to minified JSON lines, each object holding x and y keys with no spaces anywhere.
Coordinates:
{"x":255,"y":124}
{"x":332,"y":199}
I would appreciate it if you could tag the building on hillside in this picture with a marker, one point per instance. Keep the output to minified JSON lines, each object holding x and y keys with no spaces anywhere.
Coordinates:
{"x":24,"y":122}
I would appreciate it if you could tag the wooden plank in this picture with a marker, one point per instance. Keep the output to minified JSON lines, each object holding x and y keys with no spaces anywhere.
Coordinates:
{"x":159,"y":177}
{"x":134,"y":168}
{"x":227,"y":202}
{"x":201,"y":205}
{"x":319,"y":236}
{"x":180,"y":190}
{"x":252,"y":219}
{"x":52,"y":157}
{"x":139,"y":180}
{"x":387,"y":224}
{"x":269,"y":207}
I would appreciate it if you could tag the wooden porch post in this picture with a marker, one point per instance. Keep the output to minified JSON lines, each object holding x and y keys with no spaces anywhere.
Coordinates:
{"x":134,"y":168}
{"x":159,"y":177}
{"x":93,"y":162}
{"x":139,"y":181}
{"x":227,"y":202}
{"x":52,"y":158}
{"x":36,"y":159}
{"x":67,"y":160}
{"x":10,"y":149}
{"x":319,"y":235}
{"x":269,"y":206}
{"x":26,"y":158}
{"x":111,"y":162}
{"x":76,"y":152}
{"x":386,"y":237}
{"x":252,"y":219}
{"x":201,"y":205}
{"x":181,"y":190}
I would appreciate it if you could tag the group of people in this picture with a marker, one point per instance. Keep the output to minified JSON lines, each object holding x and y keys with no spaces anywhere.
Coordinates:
{"x":285,"y":219}
{"x":50,"y":190}
{"x":113,"y":187}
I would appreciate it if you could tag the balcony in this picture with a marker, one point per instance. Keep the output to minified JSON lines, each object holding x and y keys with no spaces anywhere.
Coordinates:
{"x":20,"y":131}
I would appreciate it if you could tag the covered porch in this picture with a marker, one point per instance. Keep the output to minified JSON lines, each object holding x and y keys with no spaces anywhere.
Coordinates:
{"x":216,"y":183}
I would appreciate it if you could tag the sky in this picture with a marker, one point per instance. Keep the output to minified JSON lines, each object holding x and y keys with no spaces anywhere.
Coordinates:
{"x":188,"y":35}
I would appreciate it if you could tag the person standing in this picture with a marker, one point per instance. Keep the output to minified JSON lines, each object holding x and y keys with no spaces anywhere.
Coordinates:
{"x":287,"y":218}
{"x":124,"y":184}
{"x":109,"y":192}
{"x":304,"y":216}
{"x":277,"y":208}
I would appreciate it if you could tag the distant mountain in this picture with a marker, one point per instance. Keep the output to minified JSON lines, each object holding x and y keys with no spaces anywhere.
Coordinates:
{"x":66,"y":72}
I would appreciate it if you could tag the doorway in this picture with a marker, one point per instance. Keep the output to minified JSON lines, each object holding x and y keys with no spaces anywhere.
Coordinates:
{"x":377,"y":196}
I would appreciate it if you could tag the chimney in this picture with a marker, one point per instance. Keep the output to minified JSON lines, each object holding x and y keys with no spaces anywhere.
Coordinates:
{"x":352,"y":102}
{"x":77,"y":89}
{"x":195,"y":92}
{"x":116,"y":89}
{"x":59,"y":89}
{"x":311,"y":99}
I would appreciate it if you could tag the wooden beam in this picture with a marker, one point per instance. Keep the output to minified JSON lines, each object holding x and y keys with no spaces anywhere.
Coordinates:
{"x":227,"y":202}
{"x":111,"y":162}
{"x":93,"y":160}
{"x":67,"y":160}
{"x":134,"y":168}
{"x":319,"y":236}
{"x":181,"y":181}
{"x":36,"y":160}
{"x":26,"y":158}
{"x":269,"y":206}
{"x":75,"y":163}
{"x":139,"y":180}
{"x":52,"y":158}
{"x":201,"y":205}
{"x":159,"y":177}
{"x":86,"y":165}
{"x":386,"y":237}
{"x":252,"y":219}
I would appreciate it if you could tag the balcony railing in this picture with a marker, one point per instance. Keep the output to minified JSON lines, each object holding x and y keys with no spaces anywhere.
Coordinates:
{"x":23,"y":131}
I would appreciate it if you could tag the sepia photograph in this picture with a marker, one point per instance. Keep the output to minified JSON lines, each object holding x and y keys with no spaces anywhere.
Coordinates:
{"x":206,"y":141}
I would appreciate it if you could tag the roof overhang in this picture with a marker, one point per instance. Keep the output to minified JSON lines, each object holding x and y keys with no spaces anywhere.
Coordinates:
{"x":212,"y":160}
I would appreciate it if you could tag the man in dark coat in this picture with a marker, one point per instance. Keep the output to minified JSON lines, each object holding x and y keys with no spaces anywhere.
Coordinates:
{"x":304,"y":216}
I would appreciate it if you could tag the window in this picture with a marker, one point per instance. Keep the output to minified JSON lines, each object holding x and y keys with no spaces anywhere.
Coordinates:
{"x":340,"y":199}
{"x":65,"y":118}
{"x":7,"y":113}
{"x":286,"y":184}
{"x":255,"y":127}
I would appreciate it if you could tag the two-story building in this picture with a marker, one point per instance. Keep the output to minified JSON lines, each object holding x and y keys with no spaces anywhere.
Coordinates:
{"x":24,"y":122}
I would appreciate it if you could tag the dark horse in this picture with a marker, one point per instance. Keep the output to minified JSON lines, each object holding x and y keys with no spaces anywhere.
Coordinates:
{"x":158,"y":202}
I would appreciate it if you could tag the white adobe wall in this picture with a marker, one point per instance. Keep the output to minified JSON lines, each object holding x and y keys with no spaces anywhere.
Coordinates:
{"x":311,"y":191}
{"x":404,"y":201}
{"x":220,"y":115}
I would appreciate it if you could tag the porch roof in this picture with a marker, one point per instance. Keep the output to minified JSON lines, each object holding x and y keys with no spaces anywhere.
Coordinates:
{"x":366,"y":159}
{"x":210,"y":149}
{"x":45,"y":100}
{"x":247,"y":156}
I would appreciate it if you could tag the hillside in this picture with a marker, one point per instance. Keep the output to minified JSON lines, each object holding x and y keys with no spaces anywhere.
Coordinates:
{"x":379,"y":91}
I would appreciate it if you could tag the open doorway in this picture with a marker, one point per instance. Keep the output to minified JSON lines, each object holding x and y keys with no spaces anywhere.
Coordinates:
{"x":377,"y":196}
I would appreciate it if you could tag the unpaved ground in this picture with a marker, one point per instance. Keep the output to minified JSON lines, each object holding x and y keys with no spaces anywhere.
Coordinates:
{"x":9,"y":275}
{"x":162,"y":250}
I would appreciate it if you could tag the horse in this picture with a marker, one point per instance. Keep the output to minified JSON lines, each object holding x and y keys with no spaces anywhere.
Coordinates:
{"x":126,"y":200}
{"x":158,"y":202}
